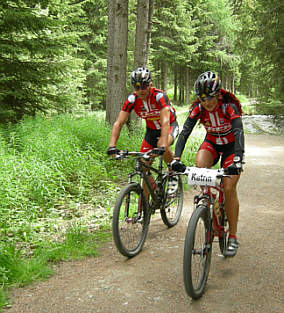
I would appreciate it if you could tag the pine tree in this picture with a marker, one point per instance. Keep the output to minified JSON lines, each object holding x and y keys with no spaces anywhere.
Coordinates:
{"x":94,"y":52}
{"x":39,"y":70}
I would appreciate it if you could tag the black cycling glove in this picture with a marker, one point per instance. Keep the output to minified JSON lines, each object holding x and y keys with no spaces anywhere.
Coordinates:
{"x":112,"y":151}
{"x":236,"y":168}
{"x":158,"y":151}
{"x":178,"y":166}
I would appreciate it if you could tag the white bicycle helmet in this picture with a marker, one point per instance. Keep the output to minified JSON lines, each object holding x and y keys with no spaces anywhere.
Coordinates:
{"x":207,"y":84}
{"x":141,"y":75}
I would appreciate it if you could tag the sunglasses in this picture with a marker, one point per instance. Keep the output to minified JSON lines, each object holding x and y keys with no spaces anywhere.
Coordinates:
{"x":142,"y":87}
{"x":206,"y":98}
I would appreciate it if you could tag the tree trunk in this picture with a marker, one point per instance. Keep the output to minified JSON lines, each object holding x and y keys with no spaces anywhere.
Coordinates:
{"x":181,"y":85}
{"x":142,"y":44}
{"x":187,"y":85}
{"x":142,"y":25}
{"x":119,"y":61}
{"x":164,"y":76}
{"x":175,"y":83}
{"x":110,"y":50}
{"x":149,"y":30}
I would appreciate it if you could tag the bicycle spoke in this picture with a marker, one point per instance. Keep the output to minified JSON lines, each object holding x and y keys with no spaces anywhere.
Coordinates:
{"x":200,"y":252}
{"x":197,"y":253}
{"x":173,"y":205}
{"x":130,"y":222}
{"x":130,"y":230}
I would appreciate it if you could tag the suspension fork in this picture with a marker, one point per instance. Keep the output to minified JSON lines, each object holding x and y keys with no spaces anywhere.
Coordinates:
{"x":127,"y":202}
{"x":207,"y":196}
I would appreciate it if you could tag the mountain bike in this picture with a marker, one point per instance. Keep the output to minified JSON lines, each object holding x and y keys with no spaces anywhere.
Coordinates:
{"x":207,"y":221}
{"x":135,"y":204}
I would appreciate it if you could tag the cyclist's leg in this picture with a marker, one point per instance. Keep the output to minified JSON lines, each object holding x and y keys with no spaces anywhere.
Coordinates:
{"x":231,"y":205}
{"x":173,"y":133}
{"x":150,"y":140}
{"x":231,"y":202}
{"x":231,"y":196}
{"x":169,"y":156}
{"x":207,"y":155}
{"x":149,"y":143}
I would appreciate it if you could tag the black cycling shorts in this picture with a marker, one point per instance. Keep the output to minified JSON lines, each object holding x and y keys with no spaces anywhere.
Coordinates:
{"x":152,"y":136}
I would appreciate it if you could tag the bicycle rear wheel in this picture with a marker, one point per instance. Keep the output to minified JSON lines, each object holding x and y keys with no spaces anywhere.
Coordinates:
{"x":197,"y":252}
{"x":130,"y":220}
{"x":223,"y":238}
{"x":173,"y":205}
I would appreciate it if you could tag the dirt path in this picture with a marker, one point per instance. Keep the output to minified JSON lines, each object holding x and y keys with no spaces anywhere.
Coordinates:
{"x":252,"y":282}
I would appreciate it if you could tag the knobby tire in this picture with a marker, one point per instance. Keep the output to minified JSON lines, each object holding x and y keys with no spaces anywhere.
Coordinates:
{"x":129,"y":232}
{"x":197,"y":252}
{"x":223,"y":239}
{"x":173,"y":204}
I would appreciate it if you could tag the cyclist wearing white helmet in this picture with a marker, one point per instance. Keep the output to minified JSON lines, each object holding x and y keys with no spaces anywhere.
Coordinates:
{"x":154,"y":106}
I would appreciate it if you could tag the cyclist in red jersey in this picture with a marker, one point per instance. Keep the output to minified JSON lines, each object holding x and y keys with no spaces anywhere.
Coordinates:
{"x":220,"y":113}
{"x":153,"y":105}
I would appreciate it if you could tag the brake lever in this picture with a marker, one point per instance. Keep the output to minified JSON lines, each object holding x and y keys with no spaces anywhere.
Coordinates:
{"x":121,"y":156}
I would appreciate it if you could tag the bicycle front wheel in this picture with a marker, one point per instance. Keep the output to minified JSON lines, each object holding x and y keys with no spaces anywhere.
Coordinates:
{"x":197,"y":252}
{"x":130,"y":220}
{"x":173,"y":205}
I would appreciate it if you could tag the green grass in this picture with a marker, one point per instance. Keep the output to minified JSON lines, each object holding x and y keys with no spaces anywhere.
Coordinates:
{"x":19,"y":270}
{"x":55,"y":174}
{"x":57,"y":191}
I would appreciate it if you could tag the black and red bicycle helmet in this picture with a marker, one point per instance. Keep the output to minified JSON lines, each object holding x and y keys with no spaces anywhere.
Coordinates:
{"x":207,"y":84}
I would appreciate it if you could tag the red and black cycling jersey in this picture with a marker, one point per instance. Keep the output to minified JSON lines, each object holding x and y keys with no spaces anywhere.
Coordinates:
{"x":218,"y":122}
{"x":223,"y":125}
{"x":150,"y":109}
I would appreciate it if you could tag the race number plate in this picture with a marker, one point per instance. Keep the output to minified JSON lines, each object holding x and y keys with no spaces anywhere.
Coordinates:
{"x":202,"y":177}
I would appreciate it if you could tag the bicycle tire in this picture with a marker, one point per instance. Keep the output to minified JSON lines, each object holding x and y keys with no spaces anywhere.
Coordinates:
{"x":223,"y":238}
{"x":173,"y":204}
{"x":128,"y":228}
{"x":198,"y":230}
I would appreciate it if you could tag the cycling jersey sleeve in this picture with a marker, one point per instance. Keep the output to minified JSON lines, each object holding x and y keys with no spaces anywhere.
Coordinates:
{"x":232,"y":111}
{"x":186,"y":131}
{"x":129,"y":103}
{"x":162,"y":99}
{"x":237,"y":127}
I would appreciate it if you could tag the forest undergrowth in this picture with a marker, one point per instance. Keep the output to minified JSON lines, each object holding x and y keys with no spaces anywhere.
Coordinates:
{"x":57,"y":191}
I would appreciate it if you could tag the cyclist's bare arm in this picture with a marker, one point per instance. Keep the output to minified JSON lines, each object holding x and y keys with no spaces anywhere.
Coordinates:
{"x":117,"y":126}
{"x":165,"y":127}
{"x":166,"y":139}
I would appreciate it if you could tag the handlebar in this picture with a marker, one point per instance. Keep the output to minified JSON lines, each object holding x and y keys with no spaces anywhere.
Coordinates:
{"x":220,"y":171}
{"x":123,"y":154}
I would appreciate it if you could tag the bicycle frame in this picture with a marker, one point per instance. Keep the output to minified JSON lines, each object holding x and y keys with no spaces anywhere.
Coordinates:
{"x":210,"y":194}
{"x":203,"y":225}
{"x":134,"y":207}
{"x":211,"y":197}
{"x":143,"y":170}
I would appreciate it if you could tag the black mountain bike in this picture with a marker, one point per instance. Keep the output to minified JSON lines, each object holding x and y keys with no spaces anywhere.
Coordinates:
{"x":137,"y":201}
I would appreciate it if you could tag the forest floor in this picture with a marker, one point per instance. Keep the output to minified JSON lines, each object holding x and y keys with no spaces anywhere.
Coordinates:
{"x":152,"y":282}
